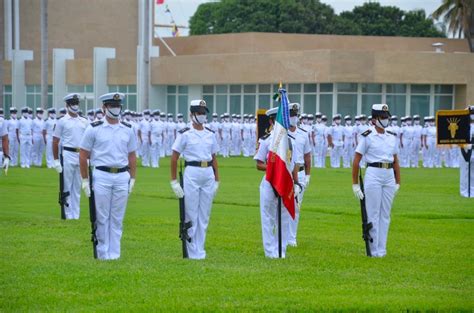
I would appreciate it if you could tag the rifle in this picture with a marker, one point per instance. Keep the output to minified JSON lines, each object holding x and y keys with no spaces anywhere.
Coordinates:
{"x":366,"y":227}
{"x":467,"y":157}
{"x":183,"y":226}
{"x":92,"y":215}
{"x":62,"y":195}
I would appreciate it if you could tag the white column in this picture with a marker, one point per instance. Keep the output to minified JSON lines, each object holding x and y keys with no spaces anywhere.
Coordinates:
{"x":195,"y":93}
{"x":101,"y":55}
{"x":157,"y":98}
{"x":18,"y":76}
{"x":17,"y":24}
{"x":60,"y":56}
{"x":7,"y":29}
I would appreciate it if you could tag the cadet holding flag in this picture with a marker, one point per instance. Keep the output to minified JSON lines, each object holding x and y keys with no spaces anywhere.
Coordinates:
{"x":198,"y":146}
{"x":382,"y":178}
{"x":110,"y":145}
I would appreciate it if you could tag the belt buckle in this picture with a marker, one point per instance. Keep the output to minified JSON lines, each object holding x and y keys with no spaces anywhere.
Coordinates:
{"x":78,"y":150}
{"x":203,"y":164}
{"x":114,"y":170}
{"x":385,"y":165}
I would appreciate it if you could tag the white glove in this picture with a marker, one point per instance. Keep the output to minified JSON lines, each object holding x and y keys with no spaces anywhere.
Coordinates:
{"x":357,"y":191}
{"x":297,"y":188}
{"x":306,"y":181}
{"x":216,"y":186}
{"x":397,"y":187}
{"x":131,"y":184}
{"x":86,"y":187}
{"x":57,"y":166}
{"x":178,"y":191}
{"x":6,"y":163}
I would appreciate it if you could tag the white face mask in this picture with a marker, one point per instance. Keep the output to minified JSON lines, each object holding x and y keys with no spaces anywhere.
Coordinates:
{"x":294,"y":120}
{"x":30,"y":115}
{"x":348,"y":122}
{"x":318,"y":120}
{"x":408,"y":123}
{"x":40,"y":116}
{"x":382,"y":123}
{"x":180,"y":120}
{"x":417,"y":122}
{"x":73,"y":108}
{"x":13,"y":115}
{"x":199,"y":119}
{"x":99,"y":116}
{"x":25,"y":115}
{"x":52,"y":115}
{"x":113,"y":112}
{"x":431,"y":124}
{"x":146,"y":117}
{"x":337,"y":122}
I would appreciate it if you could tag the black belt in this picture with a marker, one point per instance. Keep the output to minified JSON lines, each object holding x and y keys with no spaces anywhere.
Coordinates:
{"x":112,"y":169}
{"x":71,"y":149}
{"x":301,"y":169}
{"x":380,"y":165}
{"x":198,"y":163}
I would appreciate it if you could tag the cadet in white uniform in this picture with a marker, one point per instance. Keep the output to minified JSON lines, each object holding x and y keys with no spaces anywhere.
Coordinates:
{"x":198,"y":146}
{"x":466,"y":163}
{"x":68,"y":132}
{"x":13,"y":139}
{"x":48,"y":131}
{"x":25,"y":136}
{"x":111,"y":147}
{"x":382,"y":177}
{"x":302,"y":160}
{"x":349,"y":142}
{"x":226,"y":136}
{"x":156,"y":138}
{"x":406,"y":141}
{"x":170,"y":133}
{"x":144,"y":137}
{"x":336,"y":141}
{"x":39,"y":140}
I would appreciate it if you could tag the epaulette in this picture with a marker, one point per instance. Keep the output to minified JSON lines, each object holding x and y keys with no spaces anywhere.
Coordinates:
{"x":303,"y":129}
{"x":265,"y":136}
{"x":391,"y":133}
{"x":182,"y":131}
{"x":366,"y":133}
{"x":291,"y":137}
{"x":126,"y":124}
{"x":209,"y":129}
{"x":97,"y":123}
{"x":61,"y":117}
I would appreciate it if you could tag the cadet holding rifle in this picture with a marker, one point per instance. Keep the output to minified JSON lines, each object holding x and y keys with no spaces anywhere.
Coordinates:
{"x":198,"y":146}
{"x":382,"y":179}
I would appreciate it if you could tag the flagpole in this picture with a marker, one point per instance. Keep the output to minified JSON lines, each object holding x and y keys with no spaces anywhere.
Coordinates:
{"x":279,"y":228}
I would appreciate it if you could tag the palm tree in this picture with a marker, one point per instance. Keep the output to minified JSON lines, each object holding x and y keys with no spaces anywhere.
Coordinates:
{"x":458,"y":15}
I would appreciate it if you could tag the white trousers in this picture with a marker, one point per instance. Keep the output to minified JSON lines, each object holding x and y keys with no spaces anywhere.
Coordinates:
{"x":145,"y":153}
{"x":246,"y":146}
{"x":37,"y":150}
{"x":269,"y":219}
{"x":13,"y":146}
{"x":236,"y":146}
{"x":464,"y":176}
{"x":49,"y":151}
{"x":319,"y":157}
{"x":379,"y":190}
{"x":111,"y":195}
{"x":169,"y":144}
{"x":225,"y":146}
{"x":348,"y":154}
{"x":405,"y":153}
{"x":293,"y":223}
{"x":336,"y":154}
{"x":415,"y":152}
{"x":198,"y":195}
{"x":72,"y":184}
{"x":155,"y":151}
{"x":25,"y":150}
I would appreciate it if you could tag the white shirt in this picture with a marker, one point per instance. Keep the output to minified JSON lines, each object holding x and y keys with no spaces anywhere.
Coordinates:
{"x":109,"y":144}
{"x":25,"y":126}
{"x":301,"y":144}
{"x":348,"y":133}
{"x":144,"y":128}
{"x":49,"y":126}
{"x":417,"y":132}
{"x":12,"y":125}
{"x":3,"y":127}
{"x":378,"y":147}
{"x":70,"y":130}
{"x":156,"y":131}
{"x":38,"y":126}
{"x":196,"y":145}
{"x":226,"y":126}
{"x":262,"y":151}
{"x":337,"y":133}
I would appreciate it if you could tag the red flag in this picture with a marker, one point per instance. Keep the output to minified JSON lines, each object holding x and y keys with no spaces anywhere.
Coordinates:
{"x":160,"y":1}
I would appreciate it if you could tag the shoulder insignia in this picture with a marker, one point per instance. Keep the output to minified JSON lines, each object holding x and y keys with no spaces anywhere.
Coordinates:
{"x":391,"y":133}
{"x":60,"y":117}
{"x":209,"y":129}
{"x":303,"y":129}
{"x":265,"y":136}
{"x":97,"y":123}
{"x":126,"y":124}
{"x":182,"y":131}
{"x":366,"y":133}
{"x":291,"y":136}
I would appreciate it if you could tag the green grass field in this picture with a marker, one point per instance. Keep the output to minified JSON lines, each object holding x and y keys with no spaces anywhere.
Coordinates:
{"x":46,"y":264}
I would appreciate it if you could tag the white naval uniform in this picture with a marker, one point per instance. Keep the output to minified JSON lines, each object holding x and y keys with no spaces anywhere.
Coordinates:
{"x":415,"y":145}
{"x":379,"y":186}
{"x":430,"y":134}
{"x":25,"y":130}
{"x":301,"y":147}
{"x":69,"y":130}
{"x":170,"y":136}
{"x":406,"y":145}
{"x":49,"y":125}
{"x":13,"y":143}
{"x":349,"y":146}
{"x":144,"y":128}
{"x":197,"y":145}
{"x":226,"y":139}
{"x":337,"y":134}
{"x":236,"y":135}
{"x":253,"y":136}
{"x":247,"y":139}
{"x":109,"y":145}
{"x":38,"y":142}
{"x":156,"y":136}
{"x":319,"y":143}
{"x":464,"y":170}
{"x":269,"y":208}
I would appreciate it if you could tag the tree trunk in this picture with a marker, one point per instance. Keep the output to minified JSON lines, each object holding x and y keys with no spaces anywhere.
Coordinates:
{"x":44,"y":53}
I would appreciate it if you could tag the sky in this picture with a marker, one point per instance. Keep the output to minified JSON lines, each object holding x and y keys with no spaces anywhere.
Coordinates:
{"x":182,"y":10}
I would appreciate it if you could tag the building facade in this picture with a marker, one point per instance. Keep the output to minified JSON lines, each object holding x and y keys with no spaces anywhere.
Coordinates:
{"x":92,"y":52}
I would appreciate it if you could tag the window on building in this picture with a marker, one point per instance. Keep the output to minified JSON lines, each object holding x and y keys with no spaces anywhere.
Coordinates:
{"x":443,"y":97}
{"x":420,"y":99}
{"x":7,"y":100}
{"x":33,"y":96}
{"x":346,"y":99}
{"x":86,"y":93}
{"x":396,"y":98}
{"x":177,"y":100}
{"x":130,"y":91}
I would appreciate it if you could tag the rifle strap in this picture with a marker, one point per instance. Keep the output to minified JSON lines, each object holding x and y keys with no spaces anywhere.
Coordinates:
{"x":466,"y":154}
